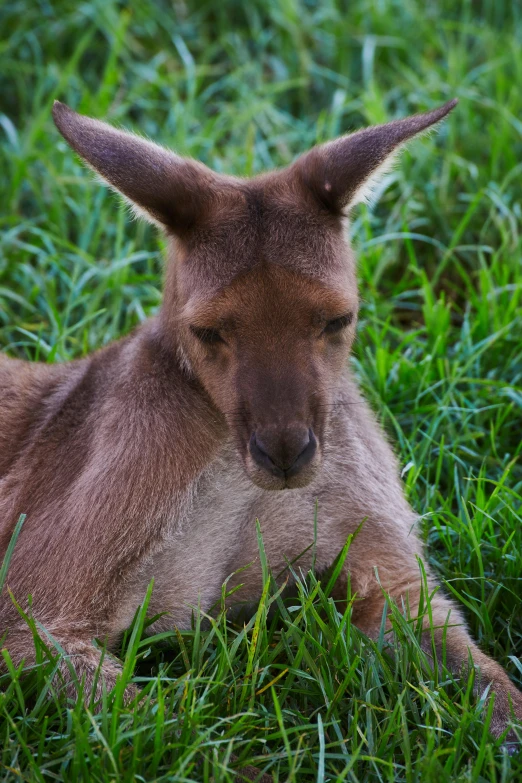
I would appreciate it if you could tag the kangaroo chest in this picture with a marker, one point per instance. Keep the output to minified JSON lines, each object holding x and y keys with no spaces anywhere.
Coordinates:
{"x":213,"y":534}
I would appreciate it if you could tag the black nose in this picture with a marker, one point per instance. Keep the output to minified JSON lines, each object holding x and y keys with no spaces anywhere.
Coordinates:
{"x":283,"y":455}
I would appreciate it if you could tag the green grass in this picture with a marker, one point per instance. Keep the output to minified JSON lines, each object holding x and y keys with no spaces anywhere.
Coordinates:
{"x":243,"y":87}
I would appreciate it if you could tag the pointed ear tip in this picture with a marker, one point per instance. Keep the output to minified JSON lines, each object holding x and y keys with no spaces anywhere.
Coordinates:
{"x":59,"y":111}
{"x":435,"y":116}
{"x":445,"y":109}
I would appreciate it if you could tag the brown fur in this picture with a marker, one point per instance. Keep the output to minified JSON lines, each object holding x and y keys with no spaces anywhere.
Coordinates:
{"x":153,"y":457}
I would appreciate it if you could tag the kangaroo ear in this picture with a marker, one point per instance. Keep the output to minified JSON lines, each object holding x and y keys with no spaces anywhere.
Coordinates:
{"x":166,"y":189}
{"x":343,"y":172}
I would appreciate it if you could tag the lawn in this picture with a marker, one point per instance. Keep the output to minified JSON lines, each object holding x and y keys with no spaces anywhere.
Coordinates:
{"x":297,"y":691}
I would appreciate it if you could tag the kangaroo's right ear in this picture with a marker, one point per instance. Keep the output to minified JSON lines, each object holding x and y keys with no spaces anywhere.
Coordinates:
{"x":166,"y":189}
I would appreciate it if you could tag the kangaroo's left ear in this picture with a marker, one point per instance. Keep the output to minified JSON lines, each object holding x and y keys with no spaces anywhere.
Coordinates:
{"x":343,"y":172}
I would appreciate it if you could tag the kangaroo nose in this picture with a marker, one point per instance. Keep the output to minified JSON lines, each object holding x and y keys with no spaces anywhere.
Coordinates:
{"x":283,"y":455}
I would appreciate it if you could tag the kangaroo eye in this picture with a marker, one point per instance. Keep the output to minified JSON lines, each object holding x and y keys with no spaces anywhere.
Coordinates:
{"x":338,"y":324}
{"x":206,"y":336}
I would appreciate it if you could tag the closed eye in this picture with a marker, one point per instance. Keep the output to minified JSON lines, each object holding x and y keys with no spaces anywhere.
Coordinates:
{"x":206,"y":336}
{"x":336,"y":325}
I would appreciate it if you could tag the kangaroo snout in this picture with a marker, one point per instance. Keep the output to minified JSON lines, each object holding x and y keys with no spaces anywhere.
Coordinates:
{"x":283,"y":453}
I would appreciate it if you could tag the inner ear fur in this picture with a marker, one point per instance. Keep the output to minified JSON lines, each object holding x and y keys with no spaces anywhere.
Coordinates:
{"x":342,"y":172}
{"x":163,"y":187}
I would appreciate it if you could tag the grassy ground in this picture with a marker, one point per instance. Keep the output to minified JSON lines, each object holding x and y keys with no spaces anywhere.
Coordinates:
{"x":244,"y":87}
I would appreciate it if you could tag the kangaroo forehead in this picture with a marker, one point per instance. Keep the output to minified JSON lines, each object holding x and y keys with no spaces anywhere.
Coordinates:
{"x":259,"y":224}
{"x":269,"y":293}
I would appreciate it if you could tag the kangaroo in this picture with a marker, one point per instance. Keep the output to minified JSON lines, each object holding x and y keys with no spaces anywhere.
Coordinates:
{"x":153,"y":457}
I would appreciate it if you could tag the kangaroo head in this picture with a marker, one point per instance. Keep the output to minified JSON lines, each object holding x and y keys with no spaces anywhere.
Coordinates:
{"x":260,"y":294}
